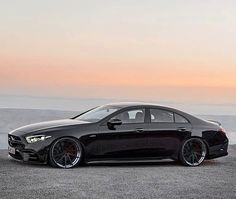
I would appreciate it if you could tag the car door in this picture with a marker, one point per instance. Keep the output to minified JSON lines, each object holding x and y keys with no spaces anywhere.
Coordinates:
{"x":125,"y":141}
{"x":165,"y":132}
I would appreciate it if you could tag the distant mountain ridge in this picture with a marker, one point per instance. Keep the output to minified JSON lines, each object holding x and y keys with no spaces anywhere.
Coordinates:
{"x":78,"y":103}
{"x":11,"y":119}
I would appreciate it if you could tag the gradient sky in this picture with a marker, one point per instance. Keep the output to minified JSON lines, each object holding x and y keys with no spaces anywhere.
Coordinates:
{"x":174,"y":50}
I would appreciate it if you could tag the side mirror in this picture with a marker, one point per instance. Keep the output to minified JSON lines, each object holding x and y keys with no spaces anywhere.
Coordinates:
{"x":113,"y":122}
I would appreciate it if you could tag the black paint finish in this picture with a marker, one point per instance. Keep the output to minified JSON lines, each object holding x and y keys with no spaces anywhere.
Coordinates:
{"x":132,"y":141}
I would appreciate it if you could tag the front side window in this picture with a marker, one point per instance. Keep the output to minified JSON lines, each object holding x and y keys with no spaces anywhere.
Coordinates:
{"x":131,"y":116}
{"x":97,"y":114}
{"x":159,"y":115}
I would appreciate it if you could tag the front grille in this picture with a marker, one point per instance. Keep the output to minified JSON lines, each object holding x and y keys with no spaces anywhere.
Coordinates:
{"x":14,"y":138}
{"x":15,"y":141}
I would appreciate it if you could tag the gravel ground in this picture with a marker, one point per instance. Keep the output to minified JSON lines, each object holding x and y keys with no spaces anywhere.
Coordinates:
{"x":214,"y":179}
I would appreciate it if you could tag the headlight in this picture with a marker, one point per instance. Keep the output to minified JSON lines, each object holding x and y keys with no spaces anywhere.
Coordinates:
{"x":36,"y":138}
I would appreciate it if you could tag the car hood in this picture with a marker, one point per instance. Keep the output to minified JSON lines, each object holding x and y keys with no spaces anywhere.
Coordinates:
{"x":46,"y":125}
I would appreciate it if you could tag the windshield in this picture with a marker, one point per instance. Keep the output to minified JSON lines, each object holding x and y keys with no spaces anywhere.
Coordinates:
{"x":97,"y":114}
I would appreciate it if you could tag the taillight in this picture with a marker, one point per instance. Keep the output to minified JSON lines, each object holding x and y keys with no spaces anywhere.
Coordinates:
{"x":222,"y":131}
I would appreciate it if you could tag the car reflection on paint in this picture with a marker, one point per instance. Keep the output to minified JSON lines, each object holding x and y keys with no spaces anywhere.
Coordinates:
{"x":120,"y":132}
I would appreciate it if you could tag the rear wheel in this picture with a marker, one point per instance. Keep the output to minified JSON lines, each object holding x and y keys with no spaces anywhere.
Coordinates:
{"x":193,"y":152}
{"x":65,"y":153}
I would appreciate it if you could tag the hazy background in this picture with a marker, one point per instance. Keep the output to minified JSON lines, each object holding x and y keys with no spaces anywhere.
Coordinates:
{"x":180,"y":51}
{"x":74,"y":55}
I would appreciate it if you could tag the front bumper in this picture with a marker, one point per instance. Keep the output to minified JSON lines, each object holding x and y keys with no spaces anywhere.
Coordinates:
{"x":24,"y":152}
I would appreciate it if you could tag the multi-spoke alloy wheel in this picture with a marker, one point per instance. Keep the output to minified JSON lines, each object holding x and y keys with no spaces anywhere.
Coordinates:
{"x":65,"y":153}
{"x":193,"y":152}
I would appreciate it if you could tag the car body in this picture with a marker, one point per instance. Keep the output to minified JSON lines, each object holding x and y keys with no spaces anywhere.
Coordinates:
{"x":118,"y":132}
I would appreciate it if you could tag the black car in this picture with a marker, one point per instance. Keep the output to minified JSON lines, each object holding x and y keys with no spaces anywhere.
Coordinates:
{"x":120,"y":132}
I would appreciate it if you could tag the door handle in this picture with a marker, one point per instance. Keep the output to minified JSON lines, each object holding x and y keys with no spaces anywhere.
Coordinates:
{"x":139,"y":130}
{"x":182,"y":129}
{"x":93,"y":136}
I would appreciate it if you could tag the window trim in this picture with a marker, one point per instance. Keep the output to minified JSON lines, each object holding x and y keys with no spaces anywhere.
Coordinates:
{"x":163,"y":109}
{"x":188,"y":122}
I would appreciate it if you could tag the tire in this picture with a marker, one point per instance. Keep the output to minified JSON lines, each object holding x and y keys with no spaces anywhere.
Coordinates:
{"x":193,"y":152}
{"x":65,"y":153}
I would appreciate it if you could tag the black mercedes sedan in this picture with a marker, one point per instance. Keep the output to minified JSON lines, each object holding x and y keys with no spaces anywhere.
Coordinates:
{"x":120,"y":132}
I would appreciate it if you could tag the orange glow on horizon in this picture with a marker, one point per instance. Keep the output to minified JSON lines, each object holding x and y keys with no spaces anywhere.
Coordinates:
{"x":185,"y":51}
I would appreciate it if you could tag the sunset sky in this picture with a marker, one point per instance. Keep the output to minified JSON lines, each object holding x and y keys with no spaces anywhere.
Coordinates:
{"x":181,"y":51}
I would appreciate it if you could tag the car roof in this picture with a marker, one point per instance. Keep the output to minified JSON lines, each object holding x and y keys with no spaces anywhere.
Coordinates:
{"x":131,"y":104}
{"x":191,"y":118}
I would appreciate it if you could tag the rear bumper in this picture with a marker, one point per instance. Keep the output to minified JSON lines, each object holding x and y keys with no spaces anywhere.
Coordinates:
{"x":218,"y":150}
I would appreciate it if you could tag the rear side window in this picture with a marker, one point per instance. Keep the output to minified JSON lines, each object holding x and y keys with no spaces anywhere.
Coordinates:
{"x":180,"y":119}
{"x":159,"y":115}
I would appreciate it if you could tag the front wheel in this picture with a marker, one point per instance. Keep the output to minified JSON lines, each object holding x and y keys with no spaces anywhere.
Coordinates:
{"x":193,"y":152}
{"x":65,"y":153}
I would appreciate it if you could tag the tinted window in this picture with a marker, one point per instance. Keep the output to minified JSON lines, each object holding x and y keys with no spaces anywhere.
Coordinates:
{"x":158,"y":115}
{"x":180,"y":119}
{"x":131,"y":116}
